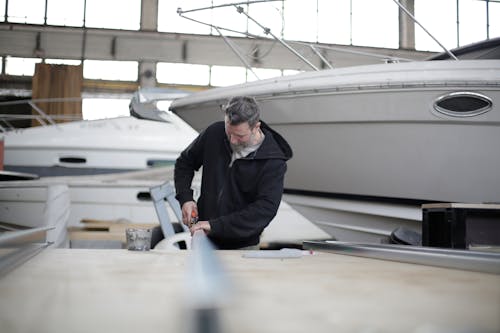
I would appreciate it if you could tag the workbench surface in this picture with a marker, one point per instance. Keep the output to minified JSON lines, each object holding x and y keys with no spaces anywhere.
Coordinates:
{"x":70,"y":290}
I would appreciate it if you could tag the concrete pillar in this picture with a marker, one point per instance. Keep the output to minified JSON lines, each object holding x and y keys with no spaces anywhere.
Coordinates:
{"x":149,"y":15}
{"x":147,"y":74}
{"x":149,"y":22}
{"x":407,"y":26}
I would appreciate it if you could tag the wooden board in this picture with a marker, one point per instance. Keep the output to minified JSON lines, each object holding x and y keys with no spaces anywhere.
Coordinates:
{"x":112,"y":230}
{"x":64,"y":290}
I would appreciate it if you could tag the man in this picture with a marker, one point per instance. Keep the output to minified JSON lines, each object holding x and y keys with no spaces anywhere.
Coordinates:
{"x":244,"y":164}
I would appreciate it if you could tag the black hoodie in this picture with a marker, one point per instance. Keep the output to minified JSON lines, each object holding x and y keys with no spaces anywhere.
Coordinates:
{"x":238,"y":201}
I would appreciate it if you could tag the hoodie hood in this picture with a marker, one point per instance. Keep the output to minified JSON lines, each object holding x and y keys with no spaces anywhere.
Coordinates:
{"x":274,"y":145}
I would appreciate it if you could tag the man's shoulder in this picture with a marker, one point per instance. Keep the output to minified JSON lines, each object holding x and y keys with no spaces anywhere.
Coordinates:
{"x":215,"y":127}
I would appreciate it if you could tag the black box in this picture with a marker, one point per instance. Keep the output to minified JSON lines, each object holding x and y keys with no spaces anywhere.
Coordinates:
{"x":460,"y":226}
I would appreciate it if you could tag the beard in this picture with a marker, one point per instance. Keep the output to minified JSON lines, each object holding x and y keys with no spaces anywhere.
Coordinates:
{"x":237,"y":148}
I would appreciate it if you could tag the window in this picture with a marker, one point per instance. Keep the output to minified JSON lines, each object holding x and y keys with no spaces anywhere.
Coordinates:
{"x":269,"y":15}
{"x":439,"y":18}
{"x":494,"y":10}
{"x":222,"y":76}
{"x":2,"y":10}
{"x":26,"y":11}
{"x":370,"y":29}
{"x":300,"y":21}
{"x":334,"y":21}
{"x":114,"y":14}
{"x":110,"y":70}
{"x":290,"y":72}
{"x":64,"y":12}
{"x":170,"y":21}
{"x":63,"y":62}
{"x":99,"y":108}
{"x":182,"y":73}
{"x":263,"y":73}
{"x":21,"y":66}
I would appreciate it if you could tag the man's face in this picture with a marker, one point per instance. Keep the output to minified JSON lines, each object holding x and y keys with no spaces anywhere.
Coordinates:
{"x":240,"y":136}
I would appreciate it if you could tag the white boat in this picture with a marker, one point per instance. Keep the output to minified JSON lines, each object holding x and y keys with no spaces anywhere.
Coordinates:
{"x":372,"y":143}
{"x":121,"y":197}
{"x":149,"y":137}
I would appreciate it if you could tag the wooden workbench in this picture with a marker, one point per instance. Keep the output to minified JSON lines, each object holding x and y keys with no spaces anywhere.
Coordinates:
{"x":70,"y":290}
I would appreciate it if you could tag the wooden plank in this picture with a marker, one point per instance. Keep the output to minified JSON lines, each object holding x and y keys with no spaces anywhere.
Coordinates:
{"x":58,"y":81}
{"x":324,"y":292}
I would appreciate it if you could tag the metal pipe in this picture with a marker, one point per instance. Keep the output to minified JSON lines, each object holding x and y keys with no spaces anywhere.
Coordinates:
{"x":325,"y":61}
{"x":458,"y":259}
{"x":238,"y":54}
{"x":421,"y":26}
{"x":224,"y":5}
{"x":208,"y":286}
{"x":43,"y":114}
{"x":267,"y":31}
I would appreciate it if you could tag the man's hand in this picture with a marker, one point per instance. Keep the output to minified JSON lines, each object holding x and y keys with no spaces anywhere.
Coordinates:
{"x":187,"y":208}
{"x":201,"y":225}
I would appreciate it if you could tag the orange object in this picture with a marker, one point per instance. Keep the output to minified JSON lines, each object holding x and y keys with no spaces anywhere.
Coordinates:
{"x":194,"y":217}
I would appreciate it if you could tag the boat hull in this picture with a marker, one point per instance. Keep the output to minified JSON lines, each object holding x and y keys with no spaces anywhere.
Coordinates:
{"x":382,"y":140}
{"x":93,"y":147}
{"x":373,"y":135}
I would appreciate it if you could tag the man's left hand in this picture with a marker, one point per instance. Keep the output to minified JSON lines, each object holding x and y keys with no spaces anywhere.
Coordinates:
{"x":201,"y":225}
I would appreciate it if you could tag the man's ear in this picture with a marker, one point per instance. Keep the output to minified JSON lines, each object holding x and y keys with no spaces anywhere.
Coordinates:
{"x":257,"y":126}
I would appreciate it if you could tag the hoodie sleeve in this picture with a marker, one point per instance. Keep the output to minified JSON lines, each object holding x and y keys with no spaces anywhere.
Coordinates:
{"x":251,"y":221}
{"x":189,"y":161}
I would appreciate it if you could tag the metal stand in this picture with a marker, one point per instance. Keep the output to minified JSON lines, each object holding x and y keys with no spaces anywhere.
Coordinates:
{"x":159,"y":194}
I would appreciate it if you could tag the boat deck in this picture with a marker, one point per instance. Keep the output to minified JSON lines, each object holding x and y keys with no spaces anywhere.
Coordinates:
{"x":69,"y":290}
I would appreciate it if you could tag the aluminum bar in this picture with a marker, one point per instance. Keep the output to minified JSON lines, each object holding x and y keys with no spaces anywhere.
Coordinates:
{"x":457,"y":259}
{"x":427,"y":32}
{"x":267,"y":31}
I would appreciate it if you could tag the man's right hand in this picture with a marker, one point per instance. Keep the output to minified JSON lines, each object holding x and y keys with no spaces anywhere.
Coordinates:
{"x":187,"y":208}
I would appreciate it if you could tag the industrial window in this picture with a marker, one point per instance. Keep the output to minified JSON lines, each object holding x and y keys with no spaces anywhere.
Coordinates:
{"x":113,"y":14}
{"x":334,"y":21}
{"x":263,"y":73}
{"x":290,"y":72}
{"x":182,"y":73}
{"x":65,"y":13}
{"x":170,"y":21}
{"x":110,"y":70}
{"x":2,"y":10}
{"x":99,"y":108}
{"x":26,"y":11}
{"x":494,"y":28}
{"x":439,"y":18}
{"x":21,"y":66}
{"x":222,"y":76}
{"x":371,"y":29}
{"x":63,"y":62}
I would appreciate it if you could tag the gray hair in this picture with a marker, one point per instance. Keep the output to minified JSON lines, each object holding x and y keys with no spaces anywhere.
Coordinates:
{"x":242,"y":109}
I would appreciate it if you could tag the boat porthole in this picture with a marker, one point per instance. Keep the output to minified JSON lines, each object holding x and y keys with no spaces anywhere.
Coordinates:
{"x":463,"y":104}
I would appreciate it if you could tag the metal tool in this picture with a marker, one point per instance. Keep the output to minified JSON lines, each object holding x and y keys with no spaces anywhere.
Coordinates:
{"x":194,"y":218}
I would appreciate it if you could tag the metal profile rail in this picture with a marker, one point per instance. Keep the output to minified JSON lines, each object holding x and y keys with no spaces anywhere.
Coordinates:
{"x":17,"y":247}
{"x":458,"y":259}
{"x":208,"y":286}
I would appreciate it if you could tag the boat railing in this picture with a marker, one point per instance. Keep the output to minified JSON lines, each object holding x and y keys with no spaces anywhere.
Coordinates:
{"x":7,"y":119}
{"x":287,"y":44}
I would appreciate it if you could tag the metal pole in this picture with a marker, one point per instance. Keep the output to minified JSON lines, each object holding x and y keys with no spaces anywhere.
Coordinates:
{"x":458,"y":24}
{"x":238,"y":54}
{"x":267,"y":31}
{"x":487,"y":19}
{"x":321,"y":56}
{"x":427,"y":32}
